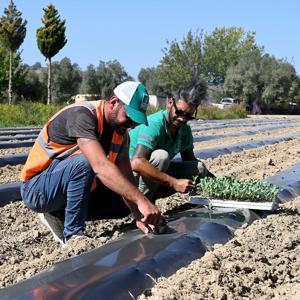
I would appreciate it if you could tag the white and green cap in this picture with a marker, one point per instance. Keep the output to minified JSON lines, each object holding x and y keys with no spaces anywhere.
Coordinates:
{"x":136,"y":99}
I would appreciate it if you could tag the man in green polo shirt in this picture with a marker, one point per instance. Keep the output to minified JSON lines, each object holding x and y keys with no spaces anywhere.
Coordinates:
{"x":153,"y":147}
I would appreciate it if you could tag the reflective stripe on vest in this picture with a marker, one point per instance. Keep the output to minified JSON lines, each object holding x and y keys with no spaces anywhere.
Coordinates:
{"x":50,"y":150}
{"x":44,"y":150}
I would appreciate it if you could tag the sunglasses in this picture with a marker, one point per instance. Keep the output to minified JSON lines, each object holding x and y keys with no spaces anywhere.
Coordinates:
{"x":181,"y":113}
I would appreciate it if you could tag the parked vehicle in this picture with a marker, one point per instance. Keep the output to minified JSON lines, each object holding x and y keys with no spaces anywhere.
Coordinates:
{"x":225,"y":102}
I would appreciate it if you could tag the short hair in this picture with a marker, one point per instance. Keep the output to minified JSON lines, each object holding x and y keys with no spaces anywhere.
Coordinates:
{"x":192,"y":93}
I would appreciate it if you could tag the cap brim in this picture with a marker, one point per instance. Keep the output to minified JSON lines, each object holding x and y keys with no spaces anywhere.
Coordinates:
{"x":136,"y":115}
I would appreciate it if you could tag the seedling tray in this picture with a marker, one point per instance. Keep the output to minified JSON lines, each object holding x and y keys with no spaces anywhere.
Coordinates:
{"x":233,"y":203}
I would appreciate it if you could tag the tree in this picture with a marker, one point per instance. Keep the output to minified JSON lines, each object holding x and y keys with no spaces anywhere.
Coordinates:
{"x":150,"y":78}
{"x":278,"y":76}
{"x":33,"y":88}
{"x":182,"y":62}
{"x":104,"y":78}
{"x":263,"y":79}
{"x":51,"y":39}
{"x":90,"y":82}
{"x":223,"y":48}
{"x":4,"y":60}
{"x":12,"y":35}
{"x":243,"y":81}
{"x":18,"y":76}
{"x":67,"y":78}
{"x":294,"y":92}
{"x":36,"y":66}
{"x":110,"y":74}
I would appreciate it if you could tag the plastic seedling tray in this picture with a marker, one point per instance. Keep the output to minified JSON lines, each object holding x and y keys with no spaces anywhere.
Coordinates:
{"x":233,"y":203}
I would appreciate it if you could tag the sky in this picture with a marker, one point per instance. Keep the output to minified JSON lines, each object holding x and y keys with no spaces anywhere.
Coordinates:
{"x":134,"y":32}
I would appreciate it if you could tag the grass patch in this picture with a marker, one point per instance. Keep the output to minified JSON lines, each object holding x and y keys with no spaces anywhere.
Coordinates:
{"x":34,"y":114}
{"x":210,"y":112}
{"x":26,"y":114}
{"x":37,"y":114}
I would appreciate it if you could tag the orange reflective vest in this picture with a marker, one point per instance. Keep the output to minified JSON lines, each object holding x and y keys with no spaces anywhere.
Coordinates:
{"x":44,"y":150}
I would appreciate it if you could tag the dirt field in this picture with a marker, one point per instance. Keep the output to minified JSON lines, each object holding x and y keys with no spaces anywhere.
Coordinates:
{"x":261,"y":261}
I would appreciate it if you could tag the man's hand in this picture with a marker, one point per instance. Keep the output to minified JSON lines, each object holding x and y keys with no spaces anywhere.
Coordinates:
{"x":183,"y":185}
{"x":150,"y":215}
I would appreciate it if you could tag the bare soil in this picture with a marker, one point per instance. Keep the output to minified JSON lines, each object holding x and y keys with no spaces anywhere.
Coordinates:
{"x":261,"y":261}
{"x":10,"y":174}
{"x":227,"y":141}
{"x":13,"y":151}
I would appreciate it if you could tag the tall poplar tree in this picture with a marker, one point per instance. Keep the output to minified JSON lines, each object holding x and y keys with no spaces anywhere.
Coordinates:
{"x":12,"y":35}
{"x":50,"y":39}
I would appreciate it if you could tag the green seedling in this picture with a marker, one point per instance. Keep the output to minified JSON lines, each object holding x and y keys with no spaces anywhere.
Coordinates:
{"x":234,"y":189}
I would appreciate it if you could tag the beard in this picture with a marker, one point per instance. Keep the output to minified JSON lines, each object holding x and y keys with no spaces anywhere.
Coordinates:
{"x":113,"y":123}
{"x":173,"y":121}
{"x":121,"y":129}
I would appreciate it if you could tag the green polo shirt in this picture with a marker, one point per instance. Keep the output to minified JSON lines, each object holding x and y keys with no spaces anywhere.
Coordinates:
{"x":156,"y":136}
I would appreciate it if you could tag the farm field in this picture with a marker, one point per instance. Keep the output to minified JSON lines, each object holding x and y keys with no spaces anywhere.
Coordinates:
{"x":261,"y":261}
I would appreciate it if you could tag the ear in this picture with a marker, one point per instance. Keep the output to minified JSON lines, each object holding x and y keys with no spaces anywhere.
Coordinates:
{"x":169,"y":103}
{"x":113,"y":101}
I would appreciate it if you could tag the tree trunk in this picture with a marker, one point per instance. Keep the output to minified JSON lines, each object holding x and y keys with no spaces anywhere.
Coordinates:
{"x":49,"y":99}
{"x":10,"y":78}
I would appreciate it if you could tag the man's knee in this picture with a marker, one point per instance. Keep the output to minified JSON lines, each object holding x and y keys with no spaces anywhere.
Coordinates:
{"x":201,"y":168}
{"x":80,"y":161}
{"x":80,"y":165}
{"x":160,"y":159}
{"x":203,"y":171}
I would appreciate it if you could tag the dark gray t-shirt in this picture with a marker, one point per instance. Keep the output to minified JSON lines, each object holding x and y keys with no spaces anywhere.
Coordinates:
{"x":78,"y":122}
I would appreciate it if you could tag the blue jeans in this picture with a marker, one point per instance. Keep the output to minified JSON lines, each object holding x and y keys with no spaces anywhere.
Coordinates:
{"x":64,"y":185}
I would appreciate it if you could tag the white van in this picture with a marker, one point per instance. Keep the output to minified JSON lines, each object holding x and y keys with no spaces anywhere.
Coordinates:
{"x":225,"y":102}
